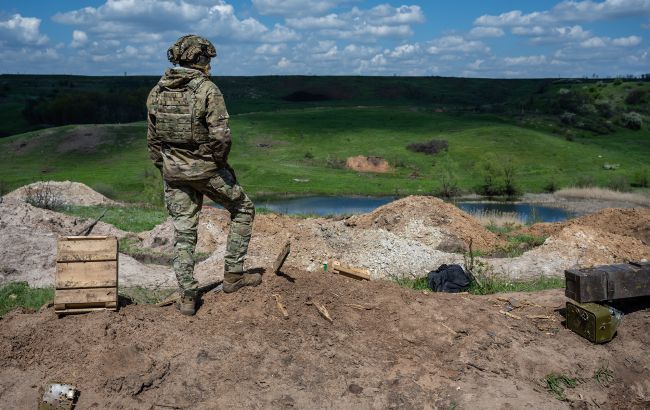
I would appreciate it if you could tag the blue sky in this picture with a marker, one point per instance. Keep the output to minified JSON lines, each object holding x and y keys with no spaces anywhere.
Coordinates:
{"x":497,"y":39}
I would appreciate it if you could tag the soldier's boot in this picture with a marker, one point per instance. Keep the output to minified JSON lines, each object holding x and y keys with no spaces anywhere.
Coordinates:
{"x":187,"y":302}
{"x":234,"y":282}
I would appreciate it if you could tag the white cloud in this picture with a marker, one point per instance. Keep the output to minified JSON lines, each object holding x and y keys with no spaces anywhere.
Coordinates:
{"x":19,"y":30}
{"x":147,"y":20}
{"x":322,"y":22}
{"x":283,"y":63}
{"x":569,"y":11}
{"x":289,"y":8}
{"x":271,"y":49}
{"x":456,"y":44}
{"x":79,"y":38}
{"x":405,"y":50}
{"x":525,"y":60}
{"x":599,"y":42}
{"x":540,"y":35}
{"x":485,"y":32}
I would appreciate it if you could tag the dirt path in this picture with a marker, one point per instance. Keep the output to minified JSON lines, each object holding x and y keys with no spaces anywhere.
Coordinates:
{"x":388,"y":347}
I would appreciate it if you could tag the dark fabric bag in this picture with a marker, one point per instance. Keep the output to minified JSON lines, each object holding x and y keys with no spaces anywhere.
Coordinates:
{"x":448,"y":278}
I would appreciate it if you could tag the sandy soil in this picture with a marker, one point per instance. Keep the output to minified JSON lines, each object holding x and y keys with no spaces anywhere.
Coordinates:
{"x":388,"y":347}
{"x":362,"y":163}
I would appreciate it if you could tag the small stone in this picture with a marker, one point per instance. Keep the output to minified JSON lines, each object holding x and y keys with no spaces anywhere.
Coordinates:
{"x":355,"y":388}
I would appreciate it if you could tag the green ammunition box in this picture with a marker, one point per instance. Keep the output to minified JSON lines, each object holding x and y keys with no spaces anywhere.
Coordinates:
{"x":596,"y":323}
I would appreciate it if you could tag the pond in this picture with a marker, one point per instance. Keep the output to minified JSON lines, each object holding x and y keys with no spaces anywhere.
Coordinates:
{"x":347,"y":205}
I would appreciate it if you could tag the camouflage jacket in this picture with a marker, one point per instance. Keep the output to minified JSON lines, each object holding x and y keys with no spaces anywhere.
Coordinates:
{"x":187,"y":125}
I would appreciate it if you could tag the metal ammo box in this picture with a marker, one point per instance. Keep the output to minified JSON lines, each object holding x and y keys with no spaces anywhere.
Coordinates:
{"x":608,"y":282}
{"x":596,"y":323}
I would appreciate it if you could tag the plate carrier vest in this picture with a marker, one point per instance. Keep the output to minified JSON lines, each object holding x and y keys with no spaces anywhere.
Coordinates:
{"x":176,"y":121}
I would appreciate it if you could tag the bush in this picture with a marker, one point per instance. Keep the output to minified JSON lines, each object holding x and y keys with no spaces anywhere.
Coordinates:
{"x":632,"y":120}
{"x":43,"y":196}
{"x":641,"y":178}
{"x":585,"y":181}
{"x":499,"y":178}
{"x":605,"y":108}
{"x":637,"y":96}
{"x":448,"y":180}
{"x":568,"y":118}
{"x":619,"y":183}
{"x":309,"y":155}
{"x":334,"y":162}
{"x":431,"y":147}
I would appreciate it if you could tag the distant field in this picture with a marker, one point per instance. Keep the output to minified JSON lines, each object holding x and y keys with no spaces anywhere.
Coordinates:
{"x":301,"y":151}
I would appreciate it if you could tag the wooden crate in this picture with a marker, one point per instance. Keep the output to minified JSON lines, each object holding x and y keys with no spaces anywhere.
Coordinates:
{"x":86,"y":274}
{"x":608,"y":282}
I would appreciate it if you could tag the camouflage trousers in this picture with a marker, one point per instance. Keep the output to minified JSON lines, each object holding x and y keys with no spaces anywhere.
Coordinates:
{"x":184,"y":200}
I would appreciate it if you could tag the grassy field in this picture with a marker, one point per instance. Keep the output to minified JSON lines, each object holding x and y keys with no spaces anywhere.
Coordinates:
{"x":297,"y":152}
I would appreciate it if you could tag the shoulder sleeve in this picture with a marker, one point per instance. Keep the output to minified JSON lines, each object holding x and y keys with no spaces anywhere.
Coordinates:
{"x":217,"y":121}
{"x":154,"y":144}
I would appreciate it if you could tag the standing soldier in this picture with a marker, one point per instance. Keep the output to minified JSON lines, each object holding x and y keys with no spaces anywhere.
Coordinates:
{"x":189,"y":141}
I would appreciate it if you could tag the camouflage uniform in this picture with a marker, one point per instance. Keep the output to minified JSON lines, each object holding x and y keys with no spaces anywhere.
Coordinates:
{"x":189,"y":141}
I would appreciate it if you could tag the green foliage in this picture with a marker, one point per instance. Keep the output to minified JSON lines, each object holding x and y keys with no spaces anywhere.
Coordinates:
{"x":556,"y":384}
{"x":619,"y":183}
{"x":632,"y":120}
{"x":498,"y":177}
{"x":153,"y":192}
{"x":448,"y":178}
{"x":638,"y":96}
{"x":105,"y":189}
{"x":641,"y":177}
{"x":128,"y":218}
{"x":20,"y":294}
{"x":604,"y":375}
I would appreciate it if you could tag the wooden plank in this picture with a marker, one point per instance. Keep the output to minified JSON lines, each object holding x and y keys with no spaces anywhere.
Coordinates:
{"x":87,"y":248}
{"x":355,"y":273}
{"x":102,"y":274}
{"x":96,"y":295}
{"x":279,"y":261}
{"x":83,"y":310}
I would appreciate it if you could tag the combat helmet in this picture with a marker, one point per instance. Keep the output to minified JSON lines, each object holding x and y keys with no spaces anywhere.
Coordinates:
{"x":191,"y":50}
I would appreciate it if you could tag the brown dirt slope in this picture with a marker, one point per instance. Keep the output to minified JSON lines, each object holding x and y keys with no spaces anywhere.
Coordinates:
{"x":634,"y":222}
{"x":66,"y":192}
{"x":432,"y":212}
{"x":362,"y":163}
{"x":387,"y":347}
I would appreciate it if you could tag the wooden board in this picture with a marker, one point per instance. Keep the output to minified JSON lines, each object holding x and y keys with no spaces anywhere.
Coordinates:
{"x":608,"y":282}
{"x":355,"y":273}
{"x":87,"y":248}
{"x":101,"y":274}
{"x":279,"y":261}
{"x":84,"y":296}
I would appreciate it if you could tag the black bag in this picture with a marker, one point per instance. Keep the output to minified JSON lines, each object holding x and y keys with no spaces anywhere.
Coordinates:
{"x":448,"y":278}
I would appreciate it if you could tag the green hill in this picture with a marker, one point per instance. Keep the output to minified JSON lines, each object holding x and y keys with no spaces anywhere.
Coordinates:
{"x":302,"y":151}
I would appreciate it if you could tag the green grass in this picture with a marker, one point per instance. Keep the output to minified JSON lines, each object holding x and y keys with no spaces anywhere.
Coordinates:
{"x":20,"y":294}
{"x":331,"y":135}
{"x":144,"y":296}
{"x":556,"y":384}
{"x":604,"y":375}
{"x":127,"y":218}
{"x":491,"y":285}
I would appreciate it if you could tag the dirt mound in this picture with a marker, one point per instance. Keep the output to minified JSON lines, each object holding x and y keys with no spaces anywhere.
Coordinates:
{"x":64,"y":193}
{"x":362,"y":163}
{"x":387,"y":347}
{"x":28,"y":237}
{"x":418,"y":215}
{"x":572,"y":247}
{"x":634,"y":222}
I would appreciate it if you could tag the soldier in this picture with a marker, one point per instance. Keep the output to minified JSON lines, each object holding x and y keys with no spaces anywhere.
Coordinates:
{"x":189,"y":141}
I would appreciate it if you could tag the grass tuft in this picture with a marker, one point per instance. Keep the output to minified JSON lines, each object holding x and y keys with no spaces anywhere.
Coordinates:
{"x":127,"y":218}
{"x":556,"y":384}
{"x":604,"y":375}
{"x":20,"y":294}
